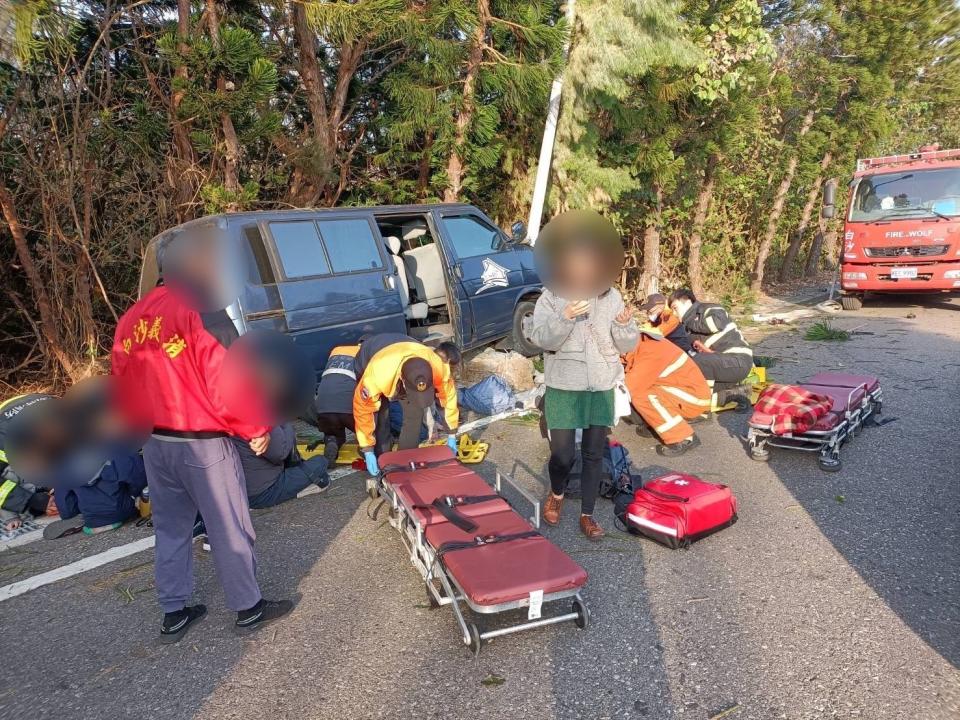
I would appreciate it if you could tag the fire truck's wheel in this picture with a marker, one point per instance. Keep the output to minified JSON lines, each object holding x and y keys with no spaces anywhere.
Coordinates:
{"x":851,"y":302}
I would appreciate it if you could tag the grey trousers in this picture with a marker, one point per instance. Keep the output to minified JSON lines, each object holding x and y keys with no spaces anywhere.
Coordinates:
{"x":200,"y":475}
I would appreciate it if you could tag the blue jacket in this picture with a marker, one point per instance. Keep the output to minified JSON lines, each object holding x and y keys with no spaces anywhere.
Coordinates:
{"x":106,"y":499}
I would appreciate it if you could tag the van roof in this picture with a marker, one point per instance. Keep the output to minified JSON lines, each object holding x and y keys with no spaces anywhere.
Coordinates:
{"x":210,"y":220}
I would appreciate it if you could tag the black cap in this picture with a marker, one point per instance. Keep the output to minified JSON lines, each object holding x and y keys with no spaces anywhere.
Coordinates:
{"x":652,"y":301}
{"x":417,"y":376}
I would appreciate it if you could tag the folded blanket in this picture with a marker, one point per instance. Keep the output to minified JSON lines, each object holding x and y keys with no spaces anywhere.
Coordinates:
{"x":793,"y":408}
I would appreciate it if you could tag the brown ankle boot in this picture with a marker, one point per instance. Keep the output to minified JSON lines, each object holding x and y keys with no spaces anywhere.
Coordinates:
{"x":589,"y":527}
{"x":551,"y":509}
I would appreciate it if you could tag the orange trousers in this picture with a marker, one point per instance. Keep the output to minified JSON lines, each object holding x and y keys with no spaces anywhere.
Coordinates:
{"x":666,"y":409}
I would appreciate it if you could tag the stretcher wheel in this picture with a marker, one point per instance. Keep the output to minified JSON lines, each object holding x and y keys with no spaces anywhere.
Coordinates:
{"x":830,"y":463}
{"x":583,"y":615}
{"x":430,"y":598}
{"x":759,"y":454}
{"x":475,"y":641}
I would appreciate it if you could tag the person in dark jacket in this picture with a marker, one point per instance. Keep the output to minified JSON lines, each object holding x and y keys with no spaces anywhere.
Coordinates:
{"x":102,"y":503}
{"x":279,"y":474}
{"x":722,"y":354}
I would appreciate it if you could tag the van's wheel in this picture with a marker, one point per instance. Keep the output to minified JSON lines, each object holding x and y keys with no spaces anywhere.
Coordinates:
{"x":851,"y":302}
{"x":583,"y":615}
{"x":475,"y":642}
{"x":523,"y":329}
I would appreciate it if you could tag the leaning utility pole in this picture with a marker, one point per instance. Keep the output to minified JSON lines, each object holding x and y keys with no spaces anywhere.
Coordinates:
{"x":549,"y":135}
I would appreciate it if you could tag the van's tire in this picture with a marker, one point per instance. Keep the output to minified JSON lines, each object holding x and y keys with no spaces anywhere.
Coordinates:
{"x":851,"y":302}
{"x":523,"y":315}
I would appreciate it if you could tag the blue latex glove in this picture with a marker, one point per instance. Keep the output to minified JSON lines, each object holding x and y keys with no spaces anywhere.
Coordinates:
{"x":371,"y":460}
{"x":452,"y":442}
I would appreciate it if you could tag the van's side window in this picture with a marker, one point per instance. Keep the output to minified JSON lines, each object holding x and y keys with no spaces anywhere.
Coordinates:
{"x":350,"y":245}
{"x":263,"y":275}
{"x":470,"y":236}
{"x":298,"y":245}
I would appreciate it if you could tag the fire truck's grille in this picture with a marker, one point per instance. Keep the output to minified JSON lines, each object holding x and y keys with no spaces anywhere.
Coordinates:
{"x":907,"y":251}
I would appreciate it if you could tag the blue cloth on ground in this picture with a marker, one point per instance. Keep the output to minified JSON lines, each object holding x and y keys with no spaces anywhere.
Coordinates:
{"x":490,"y":396}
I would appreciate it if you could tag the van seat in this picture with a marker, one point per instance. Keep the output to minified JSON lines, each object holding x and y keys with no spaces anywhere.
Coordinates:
{"x":412,"y":311}
{"x":424,"y":266}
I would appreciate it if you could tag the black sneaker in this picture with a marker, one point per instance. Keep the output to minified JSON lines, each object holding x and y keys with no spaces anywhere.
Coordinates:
{"x":679,"y":448}
{"x":265,"y":611}
{"x":330,"y":451}
{"x":176,"y":624}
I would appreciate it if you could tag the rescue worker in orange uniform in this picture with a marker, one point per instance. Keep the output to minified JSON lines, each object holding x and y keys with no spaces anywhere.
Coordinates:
{"x":396,"y":367}
{"x":667,"y":389}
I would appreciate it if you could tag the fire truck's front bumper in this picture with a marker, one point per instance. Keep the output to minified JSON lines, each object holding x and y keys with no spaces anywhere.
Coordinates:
{"x":922,"y":276}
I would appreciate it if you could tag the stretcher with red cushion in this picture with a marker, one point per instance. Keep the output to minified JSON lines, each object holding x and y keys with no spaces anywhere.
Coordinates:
{"x":472,"y":548}
{"x":857,"y":399}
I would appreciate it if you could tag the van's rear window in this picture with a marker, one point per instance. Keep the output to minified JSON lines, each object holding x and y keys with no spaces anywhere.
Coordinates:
{"x":350,"y":245}
{"x":264,"y":271}
{"x":298,"y":245}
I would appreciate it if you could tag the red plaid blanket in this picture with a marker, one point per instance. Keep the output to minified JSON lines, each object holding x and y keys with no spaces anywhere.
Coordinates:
{"x":794,"y":409}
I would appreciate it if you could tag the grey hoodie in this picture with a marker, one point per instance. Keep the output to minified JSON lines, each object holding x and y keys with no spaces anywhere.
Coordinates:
{"x":584,"y":353}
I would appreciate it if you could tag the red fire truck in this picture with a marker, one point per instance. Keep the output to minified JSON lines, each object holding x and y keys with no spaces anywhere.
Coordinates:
{"x":902,"y":229}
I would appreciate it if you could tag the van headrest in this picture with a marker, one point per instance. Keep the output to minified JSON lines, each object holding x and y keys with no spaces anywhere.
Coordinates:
{"x":414,"y":230}
{"x":393,"y":244}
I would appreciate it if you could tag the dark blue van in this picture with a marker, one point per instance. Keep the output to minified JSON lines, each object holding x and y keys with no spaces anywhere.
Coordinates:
{"x":328,"y":276}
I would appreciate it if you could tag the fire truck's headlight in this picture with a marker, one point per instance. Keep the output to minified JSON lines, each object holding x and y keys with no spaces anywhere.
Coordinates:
{"x":854,"y":276}
{"x":952,"y":275}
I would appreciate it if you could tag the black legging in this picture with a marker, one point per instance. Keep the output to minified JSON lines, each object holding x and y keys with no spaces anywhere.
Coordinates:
{"x":563,"y":448}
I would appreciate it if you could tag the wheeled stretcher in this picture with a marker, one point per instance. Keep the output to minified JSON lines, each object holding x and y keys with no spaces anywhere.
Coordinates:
{"x":857,"y":399}
{"x":472,"y":548}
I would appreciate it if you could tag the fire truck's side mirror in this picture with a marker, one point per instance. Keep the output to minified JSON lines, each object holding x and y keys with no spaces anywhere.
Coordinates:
{"x":829,"y":199}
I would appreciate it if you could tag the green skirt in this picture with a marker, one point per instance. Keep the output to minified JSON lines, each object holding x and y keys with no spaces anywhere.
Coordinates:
{"x":572,"y":409}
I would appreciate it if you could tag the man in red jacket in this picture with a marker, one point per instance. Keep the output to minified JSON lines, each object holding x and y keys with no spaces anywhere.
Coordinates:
{"x":170,"y":374}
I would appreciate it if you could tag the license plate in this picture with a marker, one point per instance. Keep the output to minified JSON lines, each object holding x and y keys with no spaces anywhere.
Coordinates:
{"x":903,"y":273}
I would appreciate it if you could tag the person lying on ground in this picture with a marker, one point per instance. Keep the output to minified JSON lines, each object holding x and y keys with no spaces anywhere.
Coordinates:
{"x":279,"y":474}
{"x":666,"y":389}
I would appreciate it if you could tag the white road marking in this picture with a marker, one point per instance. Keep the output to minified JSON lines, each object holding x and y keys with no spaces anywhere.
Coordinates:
{"x":75,"y":568}
{"x":109,"y":556}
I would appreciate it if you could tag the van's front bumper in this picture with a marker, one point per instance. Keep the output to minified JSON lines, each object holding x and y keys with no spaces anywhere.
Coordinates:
{"x":890,"y":277}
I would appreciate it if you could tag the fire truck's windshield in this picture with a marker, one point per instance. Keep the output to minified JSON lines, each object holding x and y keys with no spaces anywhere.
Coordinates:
{"x":919,"y":193}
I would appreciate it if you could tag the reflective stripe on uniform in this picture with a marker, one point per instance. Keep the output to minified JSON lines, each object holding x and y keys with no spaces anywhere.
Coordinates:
{"x":711,"y":325}
{"x":717,"y":335}
{"x":340,"y":371}
{"x":685,"y":396}
{"x":5,"y":489}
{"x":675,"y":365}
{"x":670,"y":421}
{"x":741,"y":350}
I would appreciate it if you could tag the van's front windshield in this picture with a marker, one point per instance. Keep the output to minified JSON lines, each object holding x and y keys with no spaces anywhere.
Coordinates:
{"x":918,"y":193}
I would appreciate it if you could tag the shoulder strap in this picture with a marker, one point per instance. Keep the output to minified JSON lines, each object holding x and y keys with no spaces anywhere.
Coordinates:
{"x":483,"y":541}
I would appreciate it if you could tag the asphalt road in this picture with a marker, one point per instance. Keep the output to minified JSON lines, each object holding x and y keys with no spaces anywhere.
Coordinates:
{"x":835,"y":596}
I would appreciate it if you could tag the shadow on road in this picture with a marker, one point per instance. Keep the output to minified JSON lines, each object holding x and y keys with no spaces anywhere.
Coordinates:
{"x":891,"y":511}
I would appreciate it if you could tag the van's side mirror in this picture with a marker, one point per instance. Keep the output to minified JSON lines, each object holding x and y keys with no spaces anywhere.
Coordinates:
{"x":518,"y":231}
{"x":829,"y":199}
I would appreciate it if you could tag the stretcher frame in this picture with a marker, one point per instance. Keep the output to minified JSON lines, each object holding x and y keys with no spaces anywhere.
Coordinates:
{"x":442,"y":587}
{"x":825,"y":442}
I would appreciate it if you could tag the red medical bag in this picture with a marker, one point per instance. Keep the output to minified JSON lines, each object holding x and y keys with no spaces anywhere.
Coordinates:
{"x":677,"y":509}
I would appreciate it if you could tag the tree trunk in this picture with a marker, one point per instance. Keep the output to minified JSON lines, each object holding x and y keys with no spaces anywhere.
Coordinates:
{"x":702,"y":207}
{"x":182,"y":161}
{"x":649,"y":279}
{"x":813,"y":257}
{"x":455,"y":164}
{"x":423,"y":175}
{"x":48,"y":325}
{"x":797,"y":240}
{"x":231,"y":154}
{"x":779,"y":199}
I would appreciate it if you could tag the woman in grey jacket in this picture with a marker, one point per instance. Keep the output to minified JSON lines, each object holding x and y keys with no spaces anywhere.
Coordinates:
{"x":582,"y":342}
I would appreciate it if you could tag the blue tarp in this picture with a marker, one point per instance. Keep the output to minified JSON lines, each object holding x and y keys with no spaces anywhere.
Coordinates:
{"x":490,"y":396}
